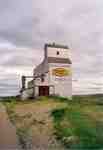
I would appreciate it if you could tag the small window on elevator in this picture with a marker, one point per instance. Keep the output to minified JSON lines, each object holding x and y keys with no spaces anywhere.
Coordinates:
{"x":42,"y":78}
{"x":58,"y":53}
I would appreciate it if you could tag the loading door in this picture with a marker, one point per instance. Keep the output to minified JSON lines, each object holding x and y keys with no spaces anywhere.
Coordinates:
{"x":43,"y":90}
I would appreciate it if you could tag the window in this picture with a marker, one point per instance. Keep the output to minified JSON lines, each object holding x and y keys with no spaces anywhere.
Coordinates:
{"x":57,"y":52}
{"x":42,"y":78}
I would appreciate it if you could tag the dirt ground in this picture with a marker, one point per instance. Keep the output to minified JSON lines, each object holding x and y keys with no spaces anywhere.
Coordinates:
{"x":35,"y":125}
{"x":8,"y":138}
{"x":37,"y":118}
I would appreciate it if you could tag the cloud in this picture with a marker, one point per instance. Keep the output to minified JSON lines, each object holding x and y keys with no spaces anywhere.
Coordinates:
{"x":26,"y":25}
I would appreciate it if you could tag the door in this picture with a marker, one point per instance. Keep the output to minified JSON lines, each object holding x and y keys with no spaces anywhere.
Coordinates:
{"x":43,"y":90}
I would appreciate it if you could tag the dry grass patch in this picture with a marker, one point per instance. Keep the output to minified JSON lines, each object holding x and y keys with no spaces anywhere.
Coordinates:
{"x":34,"y":123}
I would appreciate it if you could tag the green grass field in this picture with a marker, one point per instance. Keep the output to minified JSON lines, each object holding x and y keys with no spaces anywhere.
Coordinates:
{"x":80,"y":124}
{"x":77,"y":123}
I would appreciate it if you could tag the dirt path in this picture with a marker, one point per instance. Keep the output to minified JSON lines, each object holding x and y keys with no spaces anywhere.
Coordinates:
{"x":42,"y":125}
{"x":8,"y":139}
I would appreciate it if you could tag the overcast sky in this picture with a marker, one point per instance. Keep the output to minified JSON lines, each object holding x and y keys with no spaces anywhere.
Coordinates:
{"x":25,"y":25}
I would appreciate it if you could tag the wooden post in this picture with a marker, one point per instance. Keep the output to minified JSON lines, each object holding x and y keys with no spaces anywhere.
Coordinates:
{"x":33,"y":87}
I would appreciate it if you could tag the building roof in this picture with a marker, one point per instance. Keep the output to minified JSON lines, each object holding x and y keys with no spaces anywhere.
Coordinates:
{"x":55,"y":46}
{"x":42,"y":68}
{"x":59,"y":60}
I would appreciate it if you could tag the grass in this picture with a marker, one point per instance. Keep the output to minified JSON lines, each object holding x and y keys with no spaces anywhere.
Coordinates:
{"x":59,"y":98}
{"x":78,"y":126}
{"x":23,"y":130}
{"x":26,"y":121}
{"x":78,"y":123}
